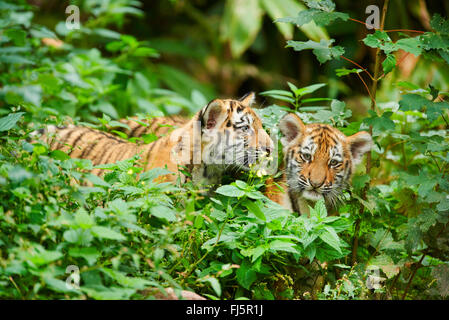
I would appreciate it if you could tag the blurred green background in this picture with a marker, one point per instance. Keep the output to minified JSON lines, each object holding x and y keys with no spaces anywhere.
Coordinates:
{"x":227,"y":48}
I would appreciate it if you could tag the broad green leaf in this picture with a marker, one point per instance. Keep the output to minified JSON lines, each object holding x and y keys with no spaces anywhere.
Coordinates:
{"x":254,"y":208}
{"x":83,"y":219}
{"x":324,"y":5}
{"x":214,"y":283}
{"x":386,"y":264}
{"x":380,"y":124}
{"x":163,"y":212}
{"x":279,"y":245}
{"x":309,"y":89}
{"x":230,"y":191}
{"x":6,"y":123}
{"x":246,"y":275}
{"x":380,"y":39}
{"x":97,"y":181}
{"x":91,"y":254}
{"x":240,"y":24}
{"x":277,"y":93}
{"x":439,"y":24}
{"x":321,"y":18}
{"x":310,"y":252}
{"x":322,"y":50}
{"x":330,"y":237}
{"x":107,"y":233}
{"x":412,"y":45}
{"x":389,"y":63}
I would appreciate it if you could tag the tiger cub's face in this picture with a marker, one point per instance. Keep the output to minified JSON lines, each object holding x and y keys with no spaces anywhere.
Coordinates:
{"x":319,"y":158}
{"x":232,"y":134}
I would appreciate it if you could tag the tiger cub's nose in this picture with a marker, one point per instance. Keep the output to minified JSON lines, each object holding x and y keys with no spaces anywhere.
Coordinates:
{"x":316,"y":184}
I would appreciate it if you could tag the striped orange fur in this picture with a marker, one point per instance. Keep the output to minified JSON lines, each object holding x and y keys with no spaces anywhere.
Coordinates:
{"x":318,"y":163}
{"x":224,"y":127}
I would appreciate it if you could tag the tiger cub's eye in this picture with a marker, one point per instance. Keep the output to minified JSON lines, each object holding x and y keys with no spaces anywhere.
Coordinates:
{"x":306,"y":156}
{"x":333,"y":162}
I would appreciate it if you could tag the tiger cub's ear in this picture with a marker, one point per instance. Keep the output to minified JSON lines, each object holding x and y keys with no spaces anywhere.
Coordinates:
{"x":359,"y":144}
{"x":291,"y":127}
{"x":214,"y":114}
{"x":248,"y":99}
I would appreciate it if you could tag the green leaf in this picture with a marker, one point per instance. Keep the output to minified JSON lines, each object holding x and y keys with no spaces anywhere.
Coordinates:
{"x":383,"y":240}
{"x":380,"y":39}
{"x":324,"y":5}
{"x":6,"y":123}
{"x":380,"y":124}
{"x":359,"y":181}
{"x":439,"y":24}
{"x":254,"y":208}
{"x":319,"y":210}
{"x":91,"y":254}
{"x":443,"y":205}
{"x":246,"y":275}
{"x":214,"y":283}
{"x":279,"y":245}
{"x":309,"y":89}
{"x":310,"y":252}
{"x":163,"y":212}
{"x":412,"y":45}
{"x":107,"y":233}
{"x":330,"y":237}
{"x":230,"y":191}
{"x":240,"y":24}
{"x":321,"y":18}
{"x":389,"y":63}
{"x":344,"y":72}
{"x":322,"y":50}
{"x":277,"y":93}
{"x":83,"y":219}
{"x":97,"y":181}
{"x":59,"y":155}
{"x":386,"y":264}
{"x":17,"y":36}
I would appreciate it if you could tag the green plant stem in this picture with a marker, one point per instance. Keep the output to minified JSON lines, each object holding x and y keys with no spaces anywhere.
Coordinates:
{"x":192,"y":268}
{"x":377,"y":65}
{"x":419,"y":264}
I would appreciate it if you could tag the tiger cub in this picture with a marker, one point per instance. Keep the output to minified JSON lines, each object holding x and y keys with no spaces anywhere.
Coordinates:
{"x":158,"y":126}
{"x":226,"y":134}
{"x":318,"y":163}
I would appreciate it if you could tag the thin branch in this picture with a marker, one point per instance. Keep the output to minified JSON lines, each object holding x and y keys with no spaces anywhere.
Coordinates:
{"x":368,"y":157}
{"x":435,"y":160}
{"x":367,"y":89}
{"x":356,"y":64}
{"x":419,"y":263}
{"x":405,"y":30}
{"x":358,"y":21}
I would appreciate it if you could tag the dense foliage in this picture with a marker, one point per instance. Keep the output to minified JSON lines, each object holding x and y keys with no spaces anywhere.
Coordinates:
{"x":127,"y":237}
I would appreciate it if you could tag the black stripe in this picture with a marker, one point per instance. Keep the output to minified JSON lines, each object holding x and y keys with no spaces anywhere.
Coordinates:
{"x":109,"y":136}
{"x":88,"y":149}
{"x":131,"y":134}
{"x":105,"y":150}
{"x":61,"y":142}
{"x":112,"y":153}
{"x":77,"y":140}
{"x":152,"y":145}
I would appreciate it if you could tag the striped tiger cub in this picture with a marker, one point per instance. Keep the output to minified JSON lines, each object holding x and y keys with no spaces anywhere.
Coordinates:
{"x":223,"y":136}
{"x":159,"y":126}
{"x":318,"y":163}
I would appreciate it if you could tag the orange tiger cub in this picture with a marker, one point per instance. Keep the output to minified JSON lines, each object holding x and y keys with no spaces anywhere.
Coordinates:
{"x":159,"y":126}
{"x":223,"y":136}
{"x":318,"y":163}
